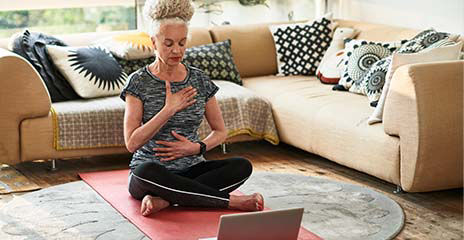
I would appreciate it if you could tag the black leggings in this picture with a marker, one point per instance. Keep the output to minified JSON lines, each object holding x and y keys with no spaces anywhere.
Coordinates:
{"x":206,"y":184}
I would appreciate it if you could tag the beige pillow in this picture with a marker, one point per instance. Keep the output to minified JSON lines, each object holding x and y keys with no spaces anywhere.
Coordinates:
{"x":91,"y":71}
{"x":129,"y":46}
{"x":445,"y":53}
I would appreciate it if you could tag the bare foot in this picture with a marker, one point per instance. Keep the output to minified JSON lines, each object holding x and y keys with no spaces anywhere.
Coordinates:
{"x":152,"y":204}
{"x":253,"y":202}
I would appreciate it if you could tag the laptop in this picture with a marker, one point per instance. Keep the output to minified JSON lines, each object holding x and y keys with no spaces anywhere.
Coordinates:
{"x":283,"y":224}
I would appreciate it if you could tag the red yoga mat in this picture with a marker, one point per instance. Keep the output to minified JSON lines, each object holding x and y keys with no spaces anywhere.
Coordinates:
{"x":172,"y":223}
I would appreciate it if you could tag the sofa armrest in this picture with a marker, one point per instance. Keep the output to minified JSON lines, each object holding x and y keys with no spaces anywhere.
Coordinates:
{"x":424,"y":107}
{"x":22,"y":95}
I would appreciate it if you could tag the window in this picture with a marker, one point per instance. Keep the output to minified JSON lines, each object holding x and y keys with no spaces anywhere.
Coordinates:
{"x":61,"y":17}
{"x":66,"y":16}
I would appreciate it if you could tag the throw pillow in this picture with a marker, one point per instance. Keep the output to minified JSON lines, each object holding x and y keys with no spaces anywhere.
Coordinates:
{"x":328,"y":70}
{"x":373,"y":81}
{"x":360,"y":55}
{"x":91,"y":71}
{"x":128,"y":46}
{"x":300,"y":47}
{"x":451,"y":52}
{"x":130,"y":66}
{"x":31,"y":46}
{"x":424,"y":39}
{"x":215,"y":59}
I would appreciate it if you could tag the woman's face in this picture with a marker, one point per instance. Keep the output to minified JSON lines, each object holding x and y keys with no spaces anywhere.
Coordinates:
{"x":170,"y":43}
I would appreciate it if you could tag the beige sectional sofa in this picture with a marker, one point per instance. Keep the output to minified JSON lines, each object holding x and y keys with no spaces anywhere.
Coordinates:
{"x":418,"y":146}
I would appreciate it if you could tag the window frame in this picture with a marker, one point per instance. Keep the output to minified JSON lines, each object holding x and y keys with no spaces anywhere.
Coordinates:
{"x":53,"y":4}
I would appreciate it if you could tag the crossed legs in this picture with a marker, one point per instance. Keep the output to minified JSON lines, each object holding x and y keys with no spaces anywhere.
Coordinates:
{"x":206,"y":184}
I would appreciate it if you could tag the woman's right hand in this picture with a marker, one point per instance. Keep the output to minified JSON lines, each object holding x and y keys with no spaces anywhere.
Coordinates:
{"x":179,"y":100}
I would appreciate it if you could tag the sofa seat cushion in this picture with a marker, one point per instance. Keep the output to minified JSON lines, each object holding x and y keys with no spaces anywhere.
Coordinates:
{"x":332,"y":124}
{"x":95,"y":123}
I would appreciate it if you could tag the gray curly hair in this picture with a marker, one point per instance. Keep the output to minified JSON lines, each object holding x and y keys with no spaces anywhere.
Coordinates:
{"x":157,"y":12}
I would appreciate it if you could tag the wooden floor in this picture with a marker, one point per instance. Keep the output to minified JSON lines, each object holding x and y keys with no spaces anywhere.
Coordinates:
{"x":434,"y":215}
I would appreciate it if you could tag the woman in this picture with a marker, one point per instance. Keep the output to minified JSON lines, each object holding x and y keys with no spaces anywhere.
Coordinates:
{"x":165,"y":103}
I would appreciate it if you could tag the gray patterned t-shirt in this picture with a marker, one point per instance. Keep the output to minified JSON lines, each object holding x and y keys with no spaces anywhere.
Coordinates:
{"x":152,"y":92}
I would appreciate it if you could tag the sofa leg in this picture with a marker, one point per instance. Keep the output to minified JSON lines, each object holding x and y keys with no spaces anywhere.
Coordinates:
{"x":224,"y":148}
{"x":398,"y":190}
{"x":53,"y":165}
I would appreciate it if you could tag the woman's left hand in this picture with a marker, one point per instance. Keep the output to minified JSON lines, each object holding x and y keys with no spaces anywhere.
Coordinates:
{"x":177,"y":149}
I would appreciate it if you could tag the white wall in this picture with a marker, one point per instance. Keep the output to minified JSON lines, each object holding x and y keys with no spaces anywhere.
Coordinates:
{"x":444,"y":15}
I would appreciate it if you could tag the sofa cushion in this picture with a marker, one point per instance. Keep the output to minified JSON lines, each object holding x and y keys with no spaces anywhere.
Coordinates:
{"x":378,"y":32}
{"x":310,"y":116}
{"x":128,"y":46}
{"x":91,"y":71}
{"x":215,"y":59}
{"x":300,"y":47}
{"x":252,"y":47}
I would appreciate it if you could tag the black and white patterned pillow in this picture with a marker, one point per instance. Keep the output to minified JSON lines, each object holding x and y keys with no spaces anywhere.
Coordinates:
{"x":360,"y":55}
{"x":130,"y":66}
{"x":374,"y":79}
{"x":425,"y":39}
{"x":91,"y":71}
{"x":215,"y":59}
{"x":300,"y":47}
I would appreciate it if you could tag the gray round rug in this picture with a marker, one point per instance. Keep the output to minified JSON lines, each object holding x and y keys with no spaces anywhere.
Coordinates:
{"x":333,"y":210}
{"x":68,"y":211}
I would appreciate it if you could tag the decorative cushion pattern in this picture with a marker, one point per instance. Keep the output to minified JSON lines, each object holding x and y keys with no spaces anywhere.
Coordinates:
{"x":424,"y":40}
{"x":300,"y":47}
{"x":130,"y":66}
{"x":91,"y":71}
{"x":215,"y":59}
{"x":360,"y":55}
{"x":450,"y":52}
{"x":128,"y":46}
{"x":374,"y":79}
